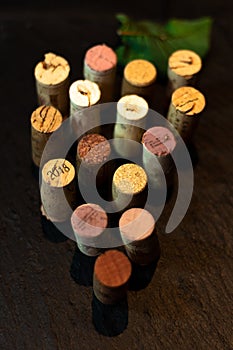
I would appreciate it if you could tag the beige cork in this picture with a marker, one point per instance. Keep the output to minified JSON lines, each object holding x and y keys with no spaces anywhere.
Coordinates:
{"x":183,"y":68}
{"x":44,"y":121}
{"x":93,"y":152}
{"x":138,"y":232}
{"x":52,"y":82}
{"x":58,"y":190}
{"x":139,"y":77}
{"x":112,"y":272}
{"x":130,"y":124}
{"x":129,"y":186}
{"x":89,"y":221}
{"x":187,"y":104}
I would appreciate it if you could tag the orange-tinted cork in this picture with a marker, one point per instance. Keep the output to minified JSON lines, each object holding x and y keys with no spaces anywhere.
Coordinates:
{"x":44,"y":121}
{"x":112,"y":271}
{"x":188,"y":100}
{"x":140,"y":72}
{"x":185,"y":63}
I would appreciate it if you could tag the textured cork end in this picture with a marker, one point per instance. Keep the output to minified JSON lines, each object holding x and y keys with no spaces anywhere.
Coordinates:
{"x":185,"y":63}
{"x":58,"y":172}
{"x":130,"y":179}
{"x":84,"y":93}
{"x":188,"y":100}
{"x":136,"y":224}
{"x":53,"y":70}
{"x":101,"y":58}
{"x":159,"y":141}
{"x":46,"y":119}
{"x":140,"y":72}
{"x":112,"y":269}
{"x":93,"y":149}
{"x":132,"y":107}
{"x":89,"y":220}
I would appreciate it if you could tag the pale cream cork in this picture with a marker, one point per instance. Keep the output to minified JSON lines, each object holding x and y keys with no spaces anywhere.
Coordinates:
{"x":130,"y":124}
{"x":186,"y":107}
{"x":183,"y":69}
{"x":58,"y":180}
{"x":44,"y":121}
{"x":139,"y":234}
{"x":139,"y":77}
{"x":84,"y":94}
{"x":52,"y":82}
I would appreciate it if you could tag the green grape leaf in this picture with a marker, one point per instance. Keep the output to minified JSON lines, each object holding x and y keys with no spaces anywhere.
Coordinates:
{"x":156,"y":42}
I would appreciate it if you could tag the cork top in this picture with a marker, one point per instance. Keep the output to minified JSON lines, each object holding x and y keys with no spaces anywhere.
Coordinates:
{"x":46,"y":119}
{"x":185,"y":62}
{"x":159,"y":141}
{"x":101,"y":58}
{"x":58,"y":172}
{"x":136,"y":224}
{"x":112,"y":268}
{"x":53,"y":70}
{"x":89,"y":220}
{"x":132,"y":107}
{"x":140,"y":72}
{"x":130,"y":179}
{"x":93,"y":149}
{"x":188,"y":100}
{"x":84,"y":93}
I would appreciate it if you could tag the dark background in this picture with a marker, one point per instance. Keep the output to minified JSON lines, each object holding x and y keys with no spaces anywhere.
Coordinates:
{"x":188,"y":304}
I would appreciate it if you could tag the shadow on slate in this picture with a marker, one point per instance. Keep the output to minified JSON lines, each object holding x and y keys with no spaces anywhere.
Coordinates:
{"x":193,"y":153}
{"x":51,"y":232}
{"x":141,"y":275}
{"x":109,"y":320}
{"x":82,"y":268}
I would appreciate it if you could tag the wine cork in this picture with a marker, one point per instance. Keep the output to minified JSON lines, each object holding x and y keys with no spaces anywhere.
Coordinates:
{"x":112,"y":271}
{"x":58,"y":180}
{"x":129,"y":186}
{"x":138,"y":232}
{"x":139,"y":78}
{"x":100,"y":63}
{"x":52,"y":82}
{"x":183,"y":68}
{"x":130,"y":124}
{"x":93,"y":151}
{"x":186,"y":106}
{"x":84,"y":94}
{"x":89,"y":222}
{"x":158,"y":145}
{"x":44,"y":121}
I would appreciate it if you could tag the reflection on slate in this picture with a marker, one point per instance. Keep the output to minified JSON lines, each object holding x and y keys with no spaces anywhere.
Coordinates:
{"x":141,"y":275}
{"x":110,"y":320}
{"x":51,"y":232}
{"x":82,"y":267}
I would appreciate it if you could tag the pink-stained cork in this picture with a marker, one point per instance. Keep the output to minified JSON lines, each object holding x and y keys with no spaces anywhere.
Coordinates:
{"x":89,"y":220}
{"x":159,"y":141}
{"x":101,"y":58}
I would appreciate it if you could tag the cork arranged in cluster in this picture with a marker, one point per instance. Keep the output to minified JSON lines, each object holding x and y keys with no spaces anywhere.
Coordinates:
{"x":110,"y":270}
